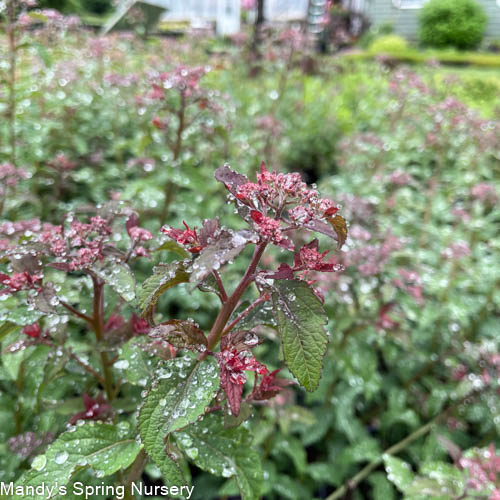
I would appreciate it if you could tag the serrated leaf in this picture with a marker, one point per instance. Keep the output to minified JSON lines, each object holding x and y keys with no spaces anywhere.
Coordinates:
{"x":105,"y":448}
{"x":223,"y":452}
{"x":119,"y":277}
{"x":398,"y":472}
{"x":177,"y":398}
{"x":300,"y":322}
{"x":339,"y":225}
{"x":262,"y":315}
{"x":181,"y":334}
{"x":225,"y":246}
{"x":164,"y":276}
{"x":135,"y":364}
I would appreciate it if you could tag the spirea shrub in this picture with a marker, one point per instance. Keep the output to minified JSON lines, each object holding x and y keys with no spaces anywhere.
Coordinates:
{"x":188,"y":390}
{"x":452,"y":23}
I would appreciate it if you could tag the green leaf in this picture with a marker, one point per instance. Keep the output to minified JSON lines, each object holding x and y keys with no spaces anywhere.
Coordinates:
{"x":260,"y":315}
{"x":119,"y":277}
{"x":223,"y":452}
{"x":172,"y":246}
{"x":103,"y":447}
{"x":164,"y":276}
{"x":300,"y":318}
{"x":135,"y":364}
{"x":6,"y":328}
{"x":178,"y":397}
{"x":398,"y":472}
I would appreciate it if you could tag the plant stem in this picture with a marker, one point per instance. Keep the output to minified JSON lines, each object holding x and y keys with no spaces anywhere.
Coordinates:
{"x":98,"y":324}
{"x":230,"y":305}
{"x":169,"y":188}
{"x":252,"y":306}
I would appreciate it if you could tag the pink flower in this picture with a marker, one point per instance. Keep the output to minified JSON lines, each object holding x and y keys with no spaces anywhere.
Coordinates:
{"x":310,"y":259}
{"x":19,"y":281}
{"x":484,"y":192}
{"x":238,"y":362}
{"x":187,"y":237}
{"x":400,"y":178}
{"x":457,"y":250}
{"x":140,"y":234}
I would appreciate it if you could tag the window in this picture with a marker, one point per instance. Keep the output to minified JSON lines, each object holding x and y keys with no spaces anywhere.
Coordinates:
{"x":409,"y":4}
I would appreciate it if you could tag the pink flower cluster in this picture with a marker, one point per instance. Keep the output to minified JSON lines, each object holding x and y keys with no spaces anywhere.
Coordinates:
{"x":277,"y":191}
{"x":484,"y":192}
{"x":457,"y":250}
{"x":19,"y":281}
{"x":236,"y":363}
{"x":11,"y":228}
{"x":82,"y":243}
{"x":10,"y":176}
{"x":371,"y":259}
{"x":187,"y":237}
{"x":483,"y":470}
{"x":183,"y":79}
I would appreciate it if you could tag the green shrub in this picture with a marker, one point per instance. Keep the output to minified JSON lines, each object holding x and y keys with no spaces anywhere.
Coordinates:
{"x":389,"y":43}
{"x":452,"y":23}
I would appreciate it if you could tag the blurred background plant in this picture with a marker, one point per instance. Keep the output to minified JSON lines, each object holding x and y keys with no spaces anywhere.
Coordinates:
{"x":411,"y":152}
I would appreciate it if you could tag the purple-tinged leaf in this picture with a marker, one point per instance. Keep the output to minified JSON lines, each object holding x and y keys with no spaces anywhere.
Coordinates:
{"x":181,"y":334}
{"x":225,"y":246}
{"x":230,"y":178}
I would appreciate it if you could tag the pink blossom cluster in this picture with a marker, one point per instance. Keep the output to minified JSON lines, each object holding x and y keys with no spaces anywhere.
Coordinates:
{"x":400,"y":178}
{"x":411,"y":282}
{"x":485,"y":193}
{"x":10,"y":176}
{"x":187,"y":237}
{"x":371,"y":259}
{"x":27,"y":444}
{"x":81,"y":244}
{"x":62,"y":163}
{"x":275,"y":191}
{"x":183,"y":79}
{"x":10,"y":228}
{"x":237,"y":362}
{"x":483,"y":470}
{"x":457,"y":250}
{"x":19,"y":281}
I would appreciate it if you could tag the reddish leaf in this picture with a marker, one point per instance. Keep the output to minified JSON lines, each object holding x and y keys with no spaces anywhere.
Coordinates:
{"x":181,"y":334}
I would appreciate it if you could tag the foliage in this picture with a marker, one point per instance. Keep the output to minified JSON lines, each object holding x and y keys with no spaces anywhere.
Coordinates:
{"x":389,"y":44}
{"x":110,"y":143}
{"x":452,"y":23}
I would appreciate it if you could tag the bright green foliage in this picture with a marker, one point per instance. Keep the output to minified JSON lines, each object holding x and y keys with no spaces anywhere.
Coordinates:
{"x":103,"y":447}
{"x":452,"y":23}
{"x":300,"y":320}
{"x":165,"y":276}
{"x":135,"y":363}
{"x":388,"y":44}
{"x":179,"y":395}
{"x":223,"y":452}
{"x":119,"y":277}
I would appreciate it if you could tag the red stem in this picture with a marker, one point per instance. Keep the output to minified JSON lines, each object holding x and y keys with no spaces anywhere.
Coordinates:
{"x":230,"y":305}
{"x":252,"y":306}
